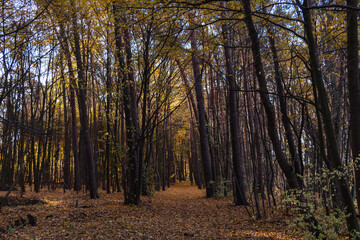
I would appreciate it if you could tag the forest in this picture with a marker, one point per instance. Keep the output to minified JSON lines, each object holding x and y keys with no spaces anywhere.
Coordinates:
{"x":245,"y":111}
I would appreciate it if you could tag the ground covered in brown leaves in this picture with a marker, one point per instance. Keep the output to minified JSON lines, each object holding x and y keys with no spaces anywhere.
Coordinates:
{"x":181,"y":212}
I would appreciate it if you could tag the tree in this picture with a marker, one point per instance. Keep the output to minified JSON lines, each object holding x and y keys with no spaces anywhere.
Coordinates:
{"x":204,"y":142}
{"x":238,"y":156}
{"x":85,"y":141}
{"x":332,"y":146}
{"x":133,"y":172}
{"x":269,"y":108}
{"x":354,"y":88}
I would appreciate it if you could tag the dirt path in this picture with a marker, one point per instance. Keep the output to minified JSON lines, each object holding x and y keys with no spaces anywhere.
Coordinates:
{"x":181,"y":212}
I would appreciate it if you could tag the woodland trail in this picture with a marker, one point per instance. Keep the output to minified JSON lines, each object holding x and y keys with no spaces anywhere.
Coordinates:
{"x":180,"y":212}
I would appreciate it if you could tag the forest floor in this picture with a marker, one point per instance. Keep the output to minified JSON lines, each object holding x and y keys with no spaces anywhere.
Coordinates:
{"x":180,"y":212}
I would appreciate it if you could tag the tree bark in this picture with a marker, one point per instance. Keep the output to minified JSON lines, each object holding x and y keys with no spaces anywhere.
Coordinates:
{"x":84,"y":117}
{"x":354,"y":89}
{"x":272,"y":128}
{"x":133,"y":173}
{"x":66,"y":165}
{"x":204,"y":142}
{"x":269,"y":108}
{"x":332,"y":148}
{"x":72,"y":85}
{"x":238,"y":156}
{"x":284,"y":112}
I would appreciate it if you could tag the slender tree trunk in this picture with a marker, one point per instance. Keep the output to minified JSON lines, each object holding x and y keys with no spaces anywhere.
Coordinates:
{"x":164,"y":143}
{"x":22,"y":153}
{"x":269,"y":108}
{"x":84,"y":116}
{"x":95,"y":130}
{"x":6,"y":146}
{"x":31,"y":160}
{"x":354,"y":89}
{"x":156,"y":155}
{"x":36,"y":165}
{"x":272,"y":128}
{"x":108,"y":125}
{"x":332,"y":147}
{"x":238,"y":156}
{"x":254,"y":147}
{"x":204,"y":142}
{"x":132,"y":184}
{"x":67,"y":172}
{"x":187,"y":88}
{"x":145,"y":101}
{"x":170,"y":159}
{"x":72,"y":86}
{"x":117,"y":134}
{"x":284,"y":112}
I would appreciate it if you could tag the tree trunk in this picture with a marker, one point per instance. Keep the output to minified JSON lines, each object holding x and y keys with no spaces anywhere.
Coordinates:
{"x":354,"y":89}
{"x":238,"y":156}
{"x":269,"y":108}
{"x":108,"y":125}
{"x":84,"y":117}
{"x":164,"y":143}
{"x":204,"y":142}
{"x":67,"y":173}
{"x":72,"y":86}
{"x":284,"y":112}
{"x":132,"y":179}
{"x":333,"y":151}
{"x":272,"y":128}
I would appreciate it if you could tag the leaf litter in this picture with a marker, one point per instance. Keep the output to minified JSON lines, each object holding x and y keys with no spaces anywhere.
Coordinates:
{"x":180,"y":212}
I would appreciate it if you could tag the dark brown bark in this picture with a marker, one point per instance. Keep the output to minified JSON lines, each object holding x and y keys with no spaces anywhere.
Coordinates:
{"x":145,"y":101}
{"x":170,"y":158}
{"x":194,"y":151}
{"x":157,"y":155}
{"x":284,"y":112}
{"x":96,"y":118}
{"x":164,"y":144}
{"x":133,"y":173}
{"x":6,"y":152}
{"x":332,"y":148}
{"x":66,"y":165}
{"x":253,"y":119}
{"x":22,"y":153}
{"x":254,"y":149}
{"x":272,"y":128}
{"x":72,"y":85}
{"x":204,"y":142}
{"x":187,"y":88}
{"x":213,"y":125}
{"x":354,"y":89}
{"x":238,"y":157}
{"x":108,"y":124}
{"x":84,"y":116}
